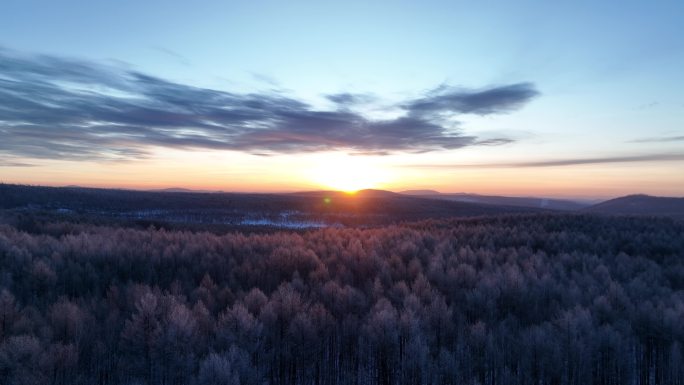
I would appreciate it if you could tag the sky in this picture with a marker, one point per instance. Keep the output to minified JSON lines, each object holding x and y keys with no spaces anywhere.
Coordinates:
{"x":579,"y":99}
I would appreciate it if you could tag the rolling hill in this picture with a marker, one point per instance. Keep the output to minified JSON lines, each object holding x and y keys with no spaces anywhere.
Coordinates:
{"x":528,"y":202}
{"x":644,"y":205}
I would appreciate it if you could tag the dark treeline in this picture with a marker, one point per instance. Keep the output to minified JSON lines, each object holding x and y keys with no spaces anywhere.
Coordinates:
{"x":528,"y":299}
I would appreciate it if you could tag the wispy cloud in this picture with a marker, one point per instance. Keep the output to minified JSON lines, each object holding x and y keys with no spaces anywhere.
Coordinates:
{"x":660,"y":139}
{"x":350,"y":99}
{"x":445,"y":99}
{"x":13,"y":163}
{"x":59,"y":108}
{"x":560,"y":162}
{"x":647,"y":106}
{"x":172,"y":54}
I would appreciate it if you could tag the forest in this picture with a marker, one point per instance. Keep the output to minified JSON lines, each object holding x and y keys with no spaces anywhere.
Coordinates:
{"x":507,"y":299}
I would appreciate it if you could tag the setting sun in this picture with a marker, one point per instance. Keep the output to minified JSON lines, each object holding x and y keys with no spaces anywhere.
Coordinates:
{"x":346,"y":173}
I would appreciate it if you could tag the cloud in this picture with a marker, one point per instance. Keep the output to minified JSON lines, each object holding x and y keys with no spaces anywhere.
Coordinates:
{"x":11,"y":163}
{"x":58,"y":108}
{"x":350,"y":99}
{"x":647,"y":106}
{"x":483,"y":102}
{"x":561,"y":162}
{"x":180,"y":59}
{"x":679,"y":138}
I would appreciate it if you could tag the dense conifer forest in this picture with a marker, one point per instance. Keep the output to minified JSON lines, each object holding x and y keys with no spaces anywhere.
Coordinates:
{"x":515,"y":299}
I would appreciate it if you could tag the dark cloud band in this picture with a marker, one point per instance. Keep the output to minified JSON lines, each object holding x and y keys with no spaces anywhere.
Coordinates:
{"x":561,"y":162}
{"x":662,"y":139}
{"x":58,"y":108}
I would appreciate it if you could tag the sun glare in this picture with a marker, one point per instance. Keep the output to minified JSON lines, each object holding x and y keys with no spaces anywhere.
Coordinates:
{"x":348,"y":174}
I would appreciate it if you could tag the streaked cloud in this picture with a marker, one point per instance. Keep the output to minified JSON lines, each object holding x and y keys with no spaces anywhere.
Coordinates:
{"x":660,"y":139}
{"x":178,"y":58}
{"x":59,"y":108}
{"x":561,"y":162}
{"x":488,"y":101}
{"x":12,"y":163}
{"x":350,"y":99}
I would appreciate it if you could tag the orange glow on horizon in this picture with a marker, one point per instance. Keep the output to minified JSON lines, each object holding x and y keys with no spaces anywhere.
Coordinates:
{"x":239,"y":172}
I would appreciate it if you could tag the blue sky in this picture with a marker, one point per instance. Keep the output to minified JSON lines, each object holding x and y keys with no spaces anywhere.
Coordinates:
{"x":607,"y":77}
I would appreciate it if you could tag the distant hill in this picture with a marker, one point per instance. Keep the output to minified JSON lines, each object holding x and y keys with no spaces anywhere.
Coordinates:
{"x":530,"y":202}
{"x":641,"y":205}
{"x":180,"y":190}
{"x":420,"y":192}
